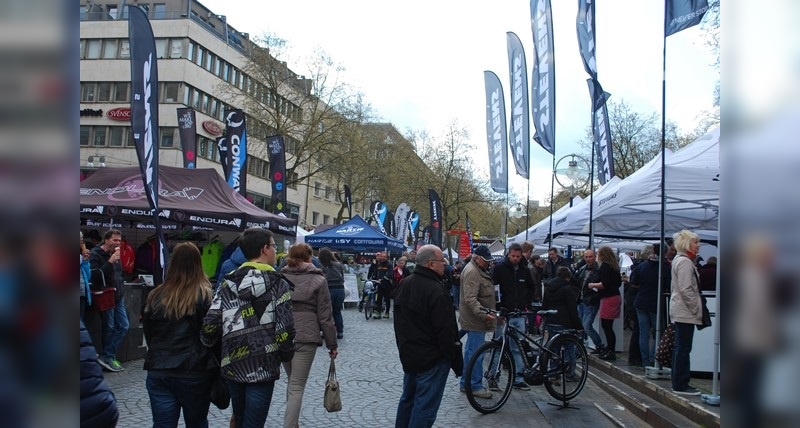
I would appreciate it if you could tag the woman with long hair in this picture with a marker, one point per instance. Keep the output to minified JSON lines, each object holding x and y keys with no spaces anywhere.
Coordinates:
{"x":610,"y":299}
{"x":311,"y":306}
{"x":179,"y":368}
{"x":334,"y":273}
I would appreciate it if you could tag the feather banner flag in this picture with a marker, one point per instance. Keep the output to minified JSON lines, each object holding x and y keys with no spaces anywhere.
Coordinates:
{"x":436,"y":218}
{"x":496,"y":134}
{"x":144,"y":116}
{"x":236,"y":134}
{"x":519,"y":142}
{"x":682,"y":14}
{"x":543,"y":94}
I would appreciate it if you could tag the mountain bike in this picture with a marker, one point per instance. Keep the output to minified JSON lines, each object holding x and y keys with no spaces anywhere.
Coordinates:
{"x":552,"y":364}
{"x":370,"y":304}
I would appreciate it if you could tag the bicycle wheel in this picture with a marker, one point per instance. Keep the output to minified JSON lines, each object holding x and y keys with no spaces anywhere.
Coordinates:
{"x":369,"y":306}
{"x":497,"y":375}
{"x":563,"y":379}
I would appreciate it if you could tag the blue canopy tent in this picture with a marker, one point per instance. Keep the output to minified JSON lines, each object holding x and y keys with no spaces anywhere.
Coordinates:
{"x":355,"y":235}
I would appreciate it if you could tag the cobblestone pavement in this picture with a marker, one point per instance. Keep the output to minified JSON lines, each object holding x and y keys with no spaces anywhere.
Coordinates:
{"x":371,"y":378}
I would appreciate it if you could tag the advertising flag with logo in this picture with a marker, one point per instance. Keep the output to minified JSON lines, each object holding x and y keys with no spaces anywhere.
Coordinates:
{"x":348,"y":201}
{"x":144,"y":115}
{"x":277,"y":172}
{"x":520,"y":124}
{"x":401,"y":221}
{"x":544,"y":75}
{"x":496,"y":134}
{"x":682,"y":14}
{"x":188,"y":134}
{"x":436,"y":218}
{"x":236,"y":135}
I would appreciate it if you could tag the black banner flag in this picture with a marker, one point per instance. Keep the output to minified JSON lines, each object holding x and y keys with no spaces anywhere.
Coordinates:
{"x":496,"y":135}
{"x":144,"y":116}
{"x":348,"y":200}
{"x":188,"y":133}
{"x":682,"y":14}
{"x":601,"y":133}
{"x":436,"y":218}
{"x":520,"y":124}
{"x":222,"y":150}
{"x":277,"y":172}
{"x":543,"y":96}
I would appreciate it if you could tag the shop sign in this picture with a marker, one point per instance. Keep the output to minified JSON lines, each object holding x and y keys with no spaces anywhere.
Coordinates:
{"x":119,"y":113}
{"x":212,"y":128}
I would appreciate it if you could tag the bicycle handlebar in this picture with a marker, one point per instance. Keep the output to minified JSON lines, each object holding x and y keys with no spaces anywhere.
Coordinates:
{"x":507,"y":313}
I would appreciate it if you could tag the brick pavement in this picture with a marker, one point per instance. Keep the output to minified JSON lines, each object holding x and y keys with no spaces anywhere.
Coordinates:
{"x":369,"y":370}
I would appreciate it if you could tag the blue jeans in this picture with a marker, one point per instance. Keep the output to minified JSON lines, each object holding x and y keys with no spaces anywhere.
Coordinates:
{"x":519,"y":323}
{"x":115,"y":326}
{"x":337,"y":300}
{"x":647,"y":321}
{"x":569,"y":350}
{"x":681,"y":372}
{"x":587,"y":314}
{"x":421,"y":397}
{"x":474,"y":340}
{"x":456,"y":293}
{"x":169,"y":395}
{"x":250,"y":402}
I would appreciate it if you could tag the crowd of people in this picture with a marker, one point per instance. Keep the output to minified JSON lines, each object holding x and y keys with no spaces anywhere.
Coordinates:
{"x":264,"y":316}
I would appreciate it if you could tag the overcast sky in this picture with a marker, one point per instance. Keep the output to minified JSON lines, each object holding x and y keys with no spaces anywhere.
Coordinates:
{"x":420,"y":63}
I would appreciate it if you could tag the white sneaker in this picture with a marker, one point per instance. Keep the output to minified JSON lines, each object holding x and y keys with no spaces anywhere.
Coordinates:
{"x":482,"y":393}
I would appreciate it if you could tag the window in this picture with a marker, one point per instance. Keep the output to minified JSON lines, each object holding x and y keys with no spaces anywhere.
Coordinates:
{"x":190,"y":50}
{"x":99,"y":136}
{"x":112,"y":11}
{"x":168,"y":137}
{"x":226,"y":71}
{"x":292,"y":181}
{"x":88,"y":92}
{"x":204,"y":104}
{"x":122,"y":92}
{"x":85,"y":132}
{"x":159,"y":11}
{"x":124,"y":48}
{"x":209,"y":61}
{"x":326,"y":219}
{"x":328,"y":193}
{"x":176,"y":48}
{"x":83,"y":13}
{"x":317,"y":189}
{"x":110,"y":49}
{"x":195,"y":102}
{"x":314,"y":218}
{"x":161,"y":48}
{"x":115,"y":136}
{"x":171,"y":92}
{"x":214,"y":109}
{"x":93,"y":49}
{"x":187,"y":94}
{"x":200,"y":53}
{"x":104,"y":91}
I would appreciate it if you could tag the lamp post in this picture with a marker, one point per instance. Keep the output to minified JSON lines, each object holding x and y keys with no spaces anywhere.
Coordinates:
{"x":575,"y":175}
{"x":516,"y":212}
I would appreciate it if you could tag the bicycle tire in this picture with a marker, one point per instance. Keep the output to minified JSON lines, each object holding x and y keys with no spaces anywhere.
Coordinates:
{"x":494,"y":366}
{"x":368,"y":307}
{"x":561,"y":382}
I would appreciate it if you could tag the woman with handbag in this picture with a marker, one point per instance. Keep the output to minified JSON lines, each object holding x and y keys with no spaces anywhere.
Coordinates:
{"x":311,"y":307}
{"x":180,"y":370}
{"x":610,"y":299}
{"x":685,"y":308}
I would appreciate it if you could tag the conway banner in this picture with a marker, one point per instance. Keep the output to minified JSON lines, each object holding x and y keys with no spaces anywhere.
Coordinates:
{"x":520,"y":124}
{"x":222,"y":151}
{"x":236,"y":134}
{"x":144,"y":117}
{"x":401,"y":221}
{"x":379,"y":212}
{"x":543,"y":94}
{"x":413,"y":227}
{"x":496,"y":134}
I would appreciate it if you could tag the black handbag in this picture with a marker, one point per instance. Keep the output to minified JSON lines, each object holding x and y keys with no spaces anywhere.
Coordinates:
{"x":706,"y":315}
{"x":219,"y":393}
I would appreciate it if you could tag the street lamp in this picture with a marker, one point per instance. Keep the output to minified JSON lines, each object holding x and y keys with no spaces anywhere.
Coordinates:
{"x":516,"y":212}
{"x":575,"y":175}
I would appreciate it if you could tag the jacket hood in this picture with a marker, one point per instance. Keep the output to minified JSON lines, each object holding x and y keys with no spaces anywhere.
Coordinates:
{"x":554,"y":284}
{"x":251,"y":280}
{"x":302,"y":269}
{"x":238,"y":257}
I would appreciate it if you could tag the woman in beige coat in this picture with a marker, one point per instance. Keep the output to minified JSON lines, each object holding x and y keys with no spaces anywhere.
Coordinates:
{"x":311,"y":307}
{"x":685,"y":309}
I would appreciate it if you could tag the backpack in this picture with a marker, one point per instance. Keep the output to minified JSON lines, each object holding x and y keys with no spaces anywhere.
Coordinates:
{"x":127,"y":257}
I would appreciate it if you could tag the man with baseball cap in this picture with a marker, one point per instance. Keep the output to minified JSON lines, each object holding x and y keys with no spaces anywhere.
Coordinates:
{"x":477,"y":291}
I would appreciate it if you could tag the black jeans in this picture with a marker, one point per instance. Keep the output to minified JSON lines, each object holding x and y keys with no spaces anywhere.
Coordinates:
{"x":608,"y":330}
{"x":681,"y":371}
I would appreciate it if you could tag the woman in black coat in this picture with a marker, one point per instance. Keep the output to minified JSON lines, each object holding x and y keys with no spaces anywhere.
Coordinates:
{"x":98,"y":404}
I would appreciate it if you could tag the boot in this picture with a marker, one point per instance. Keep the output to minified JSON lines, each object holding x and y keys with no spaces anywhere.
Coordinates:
{"x":599,"y":350}
{"x":608,"y":355}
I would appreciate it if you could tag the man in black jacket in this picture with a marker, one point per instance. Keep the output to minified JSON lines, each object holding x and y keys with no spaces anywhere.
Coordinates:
{"x":554,"y":260}
{"x":426,"y":334}
{"x":381,"y":274}
{"x":107,"y":272}
{"x":516,"y":292}
{"x":560,"y":295}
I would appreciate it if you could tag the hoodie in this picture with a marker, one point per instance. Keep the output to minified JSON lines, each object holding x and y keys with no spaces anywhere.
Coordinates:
{"x":230,"y":265}
{"x":559,"y":295}
{"x":252,"y":314}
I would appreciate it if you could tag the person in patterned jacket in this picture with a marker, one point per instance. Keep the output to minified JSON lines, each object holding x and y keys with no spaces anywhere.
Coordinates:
{"x":252,"y":314}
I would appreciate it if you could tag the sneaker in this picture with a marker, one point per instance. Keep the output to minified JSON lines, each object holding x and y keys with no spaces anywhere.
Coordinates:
{"x":689,"y":390}
{"x":493,"y":385}
{"x":608,"y":356}
{"x":360,"y":306}
{"x":117,"y":365}
{"x":377,"y":316}
{"x":104,"y":364}
{"x":461,"y":388}
{"x":482,"y":393}
{"x":340,"y":336}
{"x":572,"y":378}
{"x":522,"y":386}
{"x":599,"y":350}
{"x":386,"y":315}
{"x":554,"y":381}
